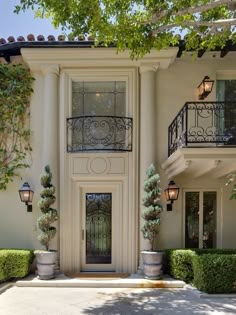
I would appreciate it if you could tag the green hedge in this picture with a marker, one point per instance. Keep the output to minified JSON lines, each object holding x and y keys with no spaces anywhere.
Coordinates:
{"x":215,"y":273}
{"x":15,"y":263}
{"x":179,"y":264}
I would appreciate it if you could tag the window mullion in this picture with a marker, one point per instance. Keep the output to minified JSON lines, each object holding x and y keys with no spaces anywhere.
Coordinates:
{"x":201,"y":220}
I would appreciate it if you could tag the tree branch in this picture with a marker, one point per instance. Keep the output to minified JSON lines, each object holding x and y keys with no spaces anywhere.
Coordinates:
{"x":192,"y":10}
{"x":196,"y":24}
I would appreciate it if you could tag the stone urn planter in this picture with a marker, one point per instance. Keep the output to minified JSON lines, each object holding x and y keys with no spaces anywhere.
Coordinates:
{"x":152,"y":264}
{"x":46,"y":264}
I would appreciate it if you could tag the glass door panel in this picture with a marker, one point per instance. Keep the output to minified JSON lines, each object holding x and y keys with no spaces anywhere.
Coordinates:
{"x":209,"y":219}
{"x":200,"y":219}
{"x":192,"y":219}
{"x":98,"y":228}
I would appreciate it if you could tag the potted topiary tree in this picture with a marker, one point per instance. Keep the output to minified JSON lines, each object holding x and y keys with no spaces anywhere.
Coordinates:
{"x":152,"y":260}
{"x":46,"y":259}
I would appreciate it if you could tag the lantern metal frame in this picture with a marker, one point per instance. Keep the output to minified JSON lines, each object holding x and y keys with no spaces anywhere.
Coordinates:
{"x":205,"y":87}
{"x":26,"y":195}
{"x":171,"y":194}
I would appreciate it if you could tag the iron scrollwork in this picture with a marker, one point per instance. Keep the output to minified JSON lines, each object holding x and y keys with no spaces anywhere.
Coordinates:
{"x":103,"y":133}
{"x":212,"y":123}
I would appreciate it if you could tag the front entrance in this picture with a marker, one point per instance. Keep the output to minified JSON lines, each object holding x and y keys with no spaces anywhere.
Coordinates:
{"x":98,"y":231}
{"x":99,"y":219}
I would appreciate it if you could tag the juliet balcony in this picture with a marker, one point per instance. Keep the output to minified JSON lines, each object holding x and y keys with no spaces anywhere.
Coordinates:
{"x":202,"y":139}
{"x":99,"y":133}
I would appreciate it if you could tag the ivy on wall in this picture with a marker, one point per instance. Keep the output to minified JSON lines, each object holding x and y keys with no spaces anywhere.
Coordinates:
{"x":15,"y":90}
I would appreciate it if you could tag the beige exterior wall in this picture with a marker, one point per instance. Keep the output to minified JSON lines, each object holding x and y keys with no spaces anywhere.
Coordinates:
{"x":175,"y":83}
{"x":174,"y":87}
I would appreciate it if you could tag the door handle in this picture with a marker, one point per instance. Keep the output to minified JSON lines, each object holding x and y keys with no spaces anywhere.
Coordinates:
{"x":82,"y":234}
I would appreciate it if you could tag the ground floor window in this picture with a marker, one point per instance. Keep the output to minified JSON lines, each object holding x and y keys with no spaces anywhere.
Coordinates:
{"x":200,"y":219}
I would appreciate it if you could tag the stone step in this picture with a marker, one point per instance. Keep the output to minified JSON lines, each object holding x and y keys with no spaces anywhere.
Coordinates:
{"x":132,"y":281}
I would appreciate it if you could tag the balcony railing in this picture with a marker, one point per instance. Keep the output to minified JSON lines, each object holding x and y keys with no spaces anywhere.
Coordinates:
{"x":205,"y":124}
{"x":99,"y":133}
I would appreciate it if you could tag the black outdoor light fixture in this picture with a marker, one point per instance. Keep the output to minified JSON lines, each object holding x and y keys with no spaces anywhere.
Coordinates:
{"x":171,"y":193}
{"x":205,"y":88}
{"x":26,"y":195}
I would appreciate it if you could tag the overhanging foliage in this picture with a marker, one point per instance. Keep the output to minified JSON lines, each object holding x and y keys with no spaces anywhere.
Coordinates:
{"x":141,"y":25}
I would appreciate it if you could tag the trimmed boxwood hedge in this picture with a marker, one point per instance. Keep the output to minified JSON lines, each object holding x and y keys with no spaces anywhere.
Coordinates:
{"x":15,"y":263}
{"x":179,"y":264}
{"x":215,"y":273}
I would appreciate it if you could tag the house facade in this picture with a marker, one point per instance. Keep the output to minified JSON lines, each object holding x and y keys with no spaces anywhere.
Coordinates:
{"x":99,"y":119}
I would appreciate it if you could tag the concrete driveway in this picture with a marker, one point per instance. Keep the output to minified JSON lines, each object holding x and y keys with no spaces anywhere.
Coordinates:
{"x":112,"y":301}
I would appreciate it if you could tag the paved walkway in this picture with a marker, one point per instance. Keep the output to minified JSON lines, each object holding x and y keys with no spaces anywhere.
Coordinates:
{"x":112,"y":301}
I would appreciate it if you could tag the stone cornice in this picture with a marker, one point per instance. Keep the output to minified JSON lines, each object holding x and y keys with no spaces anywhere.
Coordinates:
{"x":50,"y":69}
{"x":95,"y":57}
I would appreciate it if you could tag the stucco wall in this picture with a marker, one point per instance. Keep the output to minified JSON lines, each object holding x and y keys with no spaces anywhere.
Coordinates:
{"x":174,"y":87}
{"x":18,"y":228}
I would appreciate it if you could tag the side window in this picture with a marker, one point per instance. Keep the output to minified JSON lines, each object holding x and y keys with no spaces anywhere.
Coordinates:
{"x":226,"y":112}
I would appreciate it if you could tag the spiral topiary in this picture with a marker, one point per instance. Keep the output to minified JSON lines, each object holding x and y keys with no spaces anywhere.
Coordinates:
{"x":152,"y":210}
{"x":49,"y":215}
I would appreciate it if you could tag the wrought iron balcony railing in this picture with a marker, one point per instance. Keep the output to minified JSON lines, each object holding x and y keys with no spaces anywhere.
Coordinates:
{"x":99,"y":133}
{"x":203,"y":124}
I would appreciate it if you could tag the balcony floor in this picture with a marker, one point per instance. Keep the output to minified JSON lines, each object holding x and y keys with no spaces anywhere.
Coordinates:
{"x":216,"y":162}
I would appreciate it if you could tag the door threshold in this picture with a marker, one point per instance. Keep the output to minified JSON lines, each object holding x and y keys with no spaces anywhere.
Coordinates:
{"x":98,"y":275}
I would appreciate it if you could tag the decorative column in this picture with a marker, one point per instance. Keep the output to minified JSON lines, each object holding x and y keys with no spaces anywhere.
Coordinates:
{"x":148,"y":136}
{"x":50,"y":130}
{"x":50,"y":150}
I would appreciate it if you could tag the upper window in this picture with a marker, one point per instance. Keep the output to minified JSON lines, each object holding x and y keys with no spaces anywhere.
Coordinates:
{"x":226,"y":90}
{"x":99,"y":119}
{"x":99,"y":98}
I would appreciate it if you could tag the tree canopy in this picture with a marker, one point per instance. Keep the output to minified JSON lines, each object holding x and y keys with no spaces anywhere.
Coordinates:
{"x":142,"y":24}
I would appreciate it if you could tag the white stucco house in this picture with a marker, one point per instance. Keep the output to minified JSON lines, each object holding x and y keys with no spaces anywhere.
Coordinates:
{"x":99,"y":119}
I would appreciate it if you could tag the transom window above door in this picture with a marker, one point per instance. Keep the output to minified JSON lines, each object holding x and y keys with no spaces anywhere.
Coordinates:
{"x":99,"y":98}
{"x":98,"y":117}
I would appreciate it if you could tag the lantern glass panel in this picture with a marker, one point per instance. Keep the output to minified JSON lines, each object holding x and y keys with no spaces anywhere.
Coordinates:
{"x":26,"y":194}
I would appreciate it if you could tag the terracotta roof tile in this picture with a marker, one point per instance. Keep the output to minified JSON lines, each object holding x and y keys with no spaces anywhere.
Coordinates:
{"x":11,"y":39}
{"x":31,"y":38}
{"x":41,"y":38}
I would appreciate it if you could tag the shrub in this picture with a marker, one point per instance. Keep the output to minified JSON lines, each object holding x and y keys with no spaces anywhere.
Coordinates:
{"x":179,"y":261}
{"x":215,"y":273}
{"x":224,"y":251}
{"x":49,"y":214}
{"x":15,"y":263}
{"x":179,"y":264}
{"x":152,"y":211}
{"x":3,"y":258}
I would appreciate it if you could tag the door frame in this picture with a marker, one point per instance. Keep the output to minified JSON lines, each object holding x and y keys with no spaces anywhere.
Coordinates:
{"x":218,"y":215}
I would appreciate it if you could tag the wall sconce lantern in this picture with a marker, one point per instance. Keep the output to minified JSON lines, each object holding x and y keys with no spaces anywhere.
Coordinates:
{"x":26,"y":195}
{"x":205,"y":88}
{"x":171,"y":193}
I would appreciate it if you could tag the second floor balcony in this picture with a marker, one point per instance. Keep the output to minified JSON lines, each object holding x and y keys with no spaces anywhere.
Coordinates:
{"x":201,"y":138}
